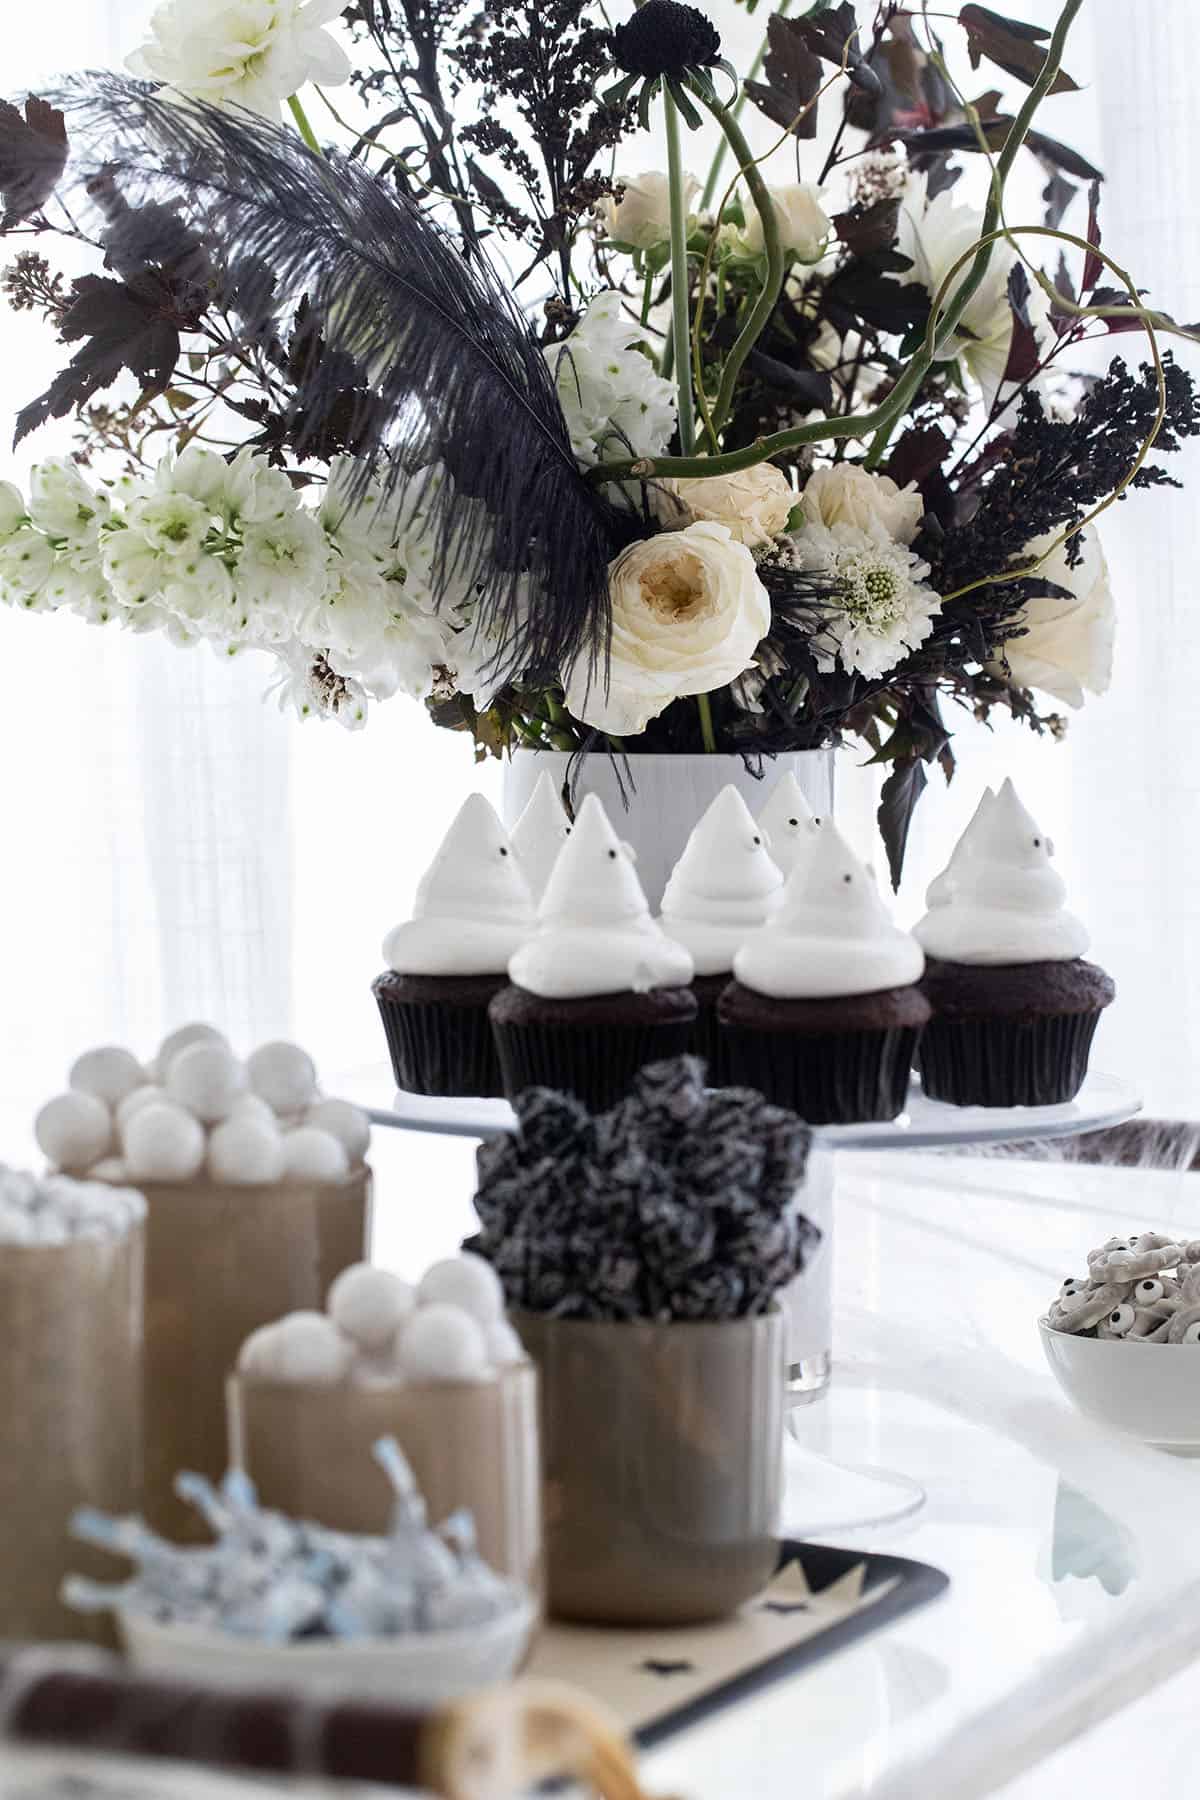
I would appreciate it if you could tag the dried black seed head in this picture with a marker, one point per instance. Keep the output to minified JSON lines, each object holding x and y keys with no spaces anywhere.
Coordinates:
{"x":665,"y":38}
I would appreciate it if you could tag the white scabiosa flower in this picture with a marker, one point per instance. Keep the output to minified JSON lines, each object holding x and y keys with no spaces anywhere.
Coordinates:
{"x":249,"y":53}
{"x":934,"y":234}
{"x":883,"y":607}
{"x":614,"y":402}
{"x":688,"y":613}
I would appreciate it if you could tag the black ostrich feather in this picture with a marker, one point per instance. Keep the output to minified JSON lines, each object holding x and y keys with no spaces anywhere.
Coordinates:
{"x":446,"y":368}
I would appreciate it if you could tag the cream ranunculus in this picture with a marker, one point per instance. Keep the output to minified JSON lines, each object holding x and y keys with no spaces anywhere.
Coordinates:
{"x":1066,"y":645}
{"x":688,"y":613}
{"x":804,"y":225}
{"x":848,"y":495}
{"x":754,"y":503}
{"x":642,"y":216}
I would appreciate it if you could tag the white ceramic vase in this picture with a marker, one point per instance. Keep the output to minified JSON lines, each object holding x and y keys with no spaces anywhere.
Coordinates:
{"x":664,"y":796}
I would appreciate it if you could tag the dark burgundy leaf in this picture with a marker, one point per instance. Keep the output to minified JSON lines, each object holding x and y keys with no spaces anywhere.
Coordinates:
{"x":812,"y":387}
{"x":793,"y":77}
{"x":33,"y":155}
{"x":866,"y":229}
{"x":860,"y":294}
{"x":1061,"y":156}
{"x":940,"y":175}
{"x":1024,"y":355}
{"x":124,"y":332}
{"x":489,"y":191}
{"x":1057,"y":196}
{"x":1018,"y":292}
{"x":1093,"y":268}
{"x":833,"y":34}
{"x":1012,"y":45}
{"x":955,"y":137}
{"x":897,"y":803}
{"x":917,"y":454}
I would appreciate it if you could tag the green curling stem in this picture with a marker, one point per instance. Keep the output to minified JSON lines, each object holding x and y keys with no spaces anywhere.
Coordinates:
{"x":714,"y":173}
{"x":764,"y":306}
{"x":306,"y":131}
{"x":681,"y":333}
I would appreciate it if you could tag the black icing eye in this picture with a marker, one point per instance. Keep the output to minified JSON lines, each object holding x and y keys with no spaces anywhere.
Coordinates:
{"x":793,"y":821}
{"x":1037,"y":843}
{"x":612,"y":856}
{"x":816,"y":821}
{"x":503,"y":851}
{"x":757,"y":841}
{"x":847,"y":878}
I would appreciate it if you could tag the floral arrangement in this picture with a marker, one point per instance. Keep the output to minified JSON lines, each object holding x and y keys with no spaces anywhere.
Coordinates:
{"x":454,"y":405}
{"x":680,"y":1203}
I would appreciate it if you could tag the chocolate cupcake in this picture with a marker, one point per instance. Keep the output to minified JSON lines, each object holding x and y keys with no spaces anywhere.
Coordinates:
{"x":446,"y":963}
{"x":723,"y":888}
{"x":823,"y":1015}
{"x":599,"y":990}
{"x":1015,"y":1007}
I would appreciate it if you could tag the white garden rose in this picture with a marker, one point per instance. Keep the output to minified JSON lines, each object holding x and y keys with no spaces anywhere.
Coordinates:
{"x":934,"y":234}
{"x":754,"y":503}
{"x":251,"y":53}
{"x":642,"y":216}
{"x":804,"y":225}
{"x":1067,"y":645}
{"x":688,"y":613}
{"x":848,"y":495}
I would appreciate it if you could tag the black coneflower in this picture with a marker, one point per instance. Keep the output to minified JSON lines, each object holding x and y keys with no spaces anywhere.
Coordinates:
{"x":667,"y":44}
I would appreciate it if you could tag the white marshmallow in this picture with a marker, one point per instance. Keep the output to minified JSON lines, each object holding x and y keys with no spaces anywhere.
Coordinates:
{"x":74,"y":1130}
{"x":179,"y":1040}
{"x":370,"y":1305}
{"x":464,"y":1281}
{"x":246,"y":1152}
{"x":163,"y":1143}
{"x":443,"y":1343}
{"x":207,"y":1079}
{"x":312,"y":1155}
{"x":134,"y":1102}
{"x":284,"y":1075}
{"x":108,"y":1073}
{"x":504,"y":1347}
{"x":348,"y":1123}
{"x":309,"y":1347}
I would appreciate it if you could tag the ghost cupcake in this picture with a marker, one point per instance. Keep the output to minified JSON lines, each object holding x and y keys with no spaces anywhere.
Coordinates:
{"x":473,"y":910}
{"x":788,"y":824}
{"x":824,"y":1014}
{"x":600,"y":989}
{"x":942,"y":887}
{"x":540,"y":833}
{"x":721,"y":890}
{"x":1015,"y":1006}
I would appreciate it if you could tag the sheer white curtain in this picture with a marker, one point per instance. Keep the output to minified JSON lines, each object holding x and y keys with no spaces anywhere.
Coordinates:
{"x":174,"y":847}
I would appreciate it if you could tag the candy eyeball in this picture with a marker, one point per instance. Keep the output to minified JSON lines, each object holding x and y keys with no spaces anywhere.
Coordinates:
{"x":1192,"y":1334}
{"x":466,"y":1282}
{"x":179,"y":1040}
{"x":73,"y":1130}
{"x":207,"y":1079}
{"x":310,"y":1154}
{"x":348,"y":1123}
{"x":1149,"y":1290}
{"x":443,"y":1343}
{"x":310,"y":1348}
{"x":245,"y":1152}
{"x":163,"y":1143}
{"x":1070,"y":1287}
{"x":1121,"y":1320}
{"x":284,"y":1075}
{"x":370,"y":1305}
{"x":109,"y":1074}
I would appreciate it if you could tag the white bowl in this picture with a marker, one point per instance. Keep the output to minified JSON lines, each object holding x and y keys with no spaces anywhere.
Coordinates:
{"x":1147,"y":1391}
{"x":423,"y":1669}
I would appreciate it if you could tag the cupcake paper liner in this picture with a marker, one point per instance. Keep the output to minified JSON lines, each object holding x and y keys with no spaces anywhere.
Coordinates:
{"x":442,"y":1046}
{"x":707,"y":1034}
{"x":827,"y":1078}
{"x":597,"y":1063}
{"x":1007,"y":1062}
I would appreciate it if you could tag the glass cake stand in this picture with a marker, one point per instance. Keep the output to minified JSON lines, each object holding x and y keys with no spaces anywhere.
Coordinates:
{"x":838,"y":1496}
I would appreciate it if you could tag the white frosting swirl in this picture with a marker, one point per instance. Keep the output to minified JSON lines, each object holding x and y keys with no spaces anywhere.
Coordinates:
{"x":942,"y":886}
{"x":595,"y":933}
{"x":723,"y":887}
{"x":788,"y":824}
{"x":473,"y":906}
{"x":1006,"y":901}
{"x":832,"y":936}
{"x":540,"y":833}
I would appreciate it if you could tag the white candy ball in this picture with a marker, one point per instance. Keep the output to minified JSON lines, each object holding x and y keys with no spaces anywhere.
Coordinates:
{"x":163,"y":1143}
{"x":259,"y":1356}
{"x":246,"y":1152}
{"x":109,"y":1073}
{"x":207,"y":1079}
{"x":179,"y":1040}
{"x":111,"y":1169}
{"x":370,"y":1305}
{"x":309,"y":1347}
{"x":376,"y":1372}
{"x":145,"y":1095}
{"x":443,"y":1343}
{"x":312,"y":1155}
{"x":465,"y":1281}
{"x":252,"y":1106}
{"x":284,"y":1075}
{"x":504,"y":1347}
{"x":348,"y":1123}
{"x":74,"y":1130}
